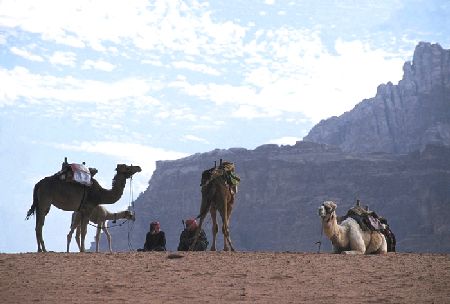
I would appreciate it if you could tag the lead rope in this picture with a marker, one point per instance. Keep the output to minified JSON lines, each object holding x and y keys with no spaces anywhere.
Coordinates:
{"x":131,"y":225}
{"x":319,"y":242}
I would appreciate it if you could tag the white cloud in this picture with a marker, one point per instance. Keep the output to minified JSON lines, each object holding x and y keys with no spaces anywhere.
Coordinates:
{"x":26,"y":54}
{"x":98,"y":65}
{"x":63,"y":58}
{"x":299,"y":75}
{"x":202,"y":68}
{"x":286,"y":140}
{"x":284,"y":69}
{"x":163,"y":25}
{"x":190,"y":137}
{"x":21,"y":83}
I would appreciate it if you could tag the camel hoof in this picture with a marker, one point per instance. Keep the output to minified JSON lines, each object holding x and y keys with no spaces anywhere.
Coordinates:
{"x":213,"y":249}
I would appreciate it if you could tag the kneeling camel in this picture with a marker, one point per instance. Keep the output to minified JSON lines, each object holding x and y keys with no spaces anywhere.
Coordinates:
{"x":348,"y":237}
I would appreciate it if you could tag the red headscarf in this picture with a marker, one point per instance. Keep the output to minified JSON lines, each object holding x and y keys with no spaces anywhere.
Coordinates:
{"x":154,"y":225}
{"x":191,"y":224}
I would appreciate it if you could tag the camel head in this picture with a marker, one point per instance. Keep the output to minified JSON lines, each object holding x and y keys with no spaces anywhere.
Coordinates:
{"x":327,"y":211}
{"x":127,"y":171}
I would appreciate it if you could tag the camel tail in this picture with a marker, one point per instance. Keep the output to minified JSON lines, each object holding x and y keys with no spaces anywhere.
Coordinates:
{"x":35,"y":203}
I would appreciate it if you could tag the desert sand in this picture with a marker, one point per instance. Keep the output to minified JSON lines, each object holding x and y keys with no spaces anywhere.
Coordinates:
{"x":224,"y":277}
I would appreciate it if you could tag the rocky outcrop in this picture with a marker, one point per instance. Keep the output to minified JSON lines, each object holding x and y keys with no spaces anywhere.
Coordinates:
{"x":400,"y":118}
{"x":282,"y":187}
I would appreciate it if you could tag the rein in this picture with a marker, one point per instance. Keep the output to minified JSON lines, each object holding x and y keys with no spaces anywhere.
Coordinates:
{"x":131,"y":207}
{"x":118,"y":225}
{"x":319,"y":242}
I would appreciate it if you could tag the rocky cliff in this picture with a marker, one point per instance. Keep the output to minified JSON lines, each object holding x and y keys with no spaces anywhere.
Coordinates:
{"x":391,"y":152}
{"x":282,"y":187}
{"x":400,"y":118}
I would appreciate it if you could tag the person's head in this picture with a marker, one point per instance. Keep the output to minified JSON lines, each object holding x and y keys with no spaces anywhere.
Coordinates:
{"x":191,"y":224}
{"x":154,"y":227}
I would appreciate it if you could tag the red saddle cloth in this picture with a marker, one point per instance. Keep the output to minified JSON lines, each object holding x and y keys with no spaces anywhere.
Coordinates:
{"x":81,"y":174}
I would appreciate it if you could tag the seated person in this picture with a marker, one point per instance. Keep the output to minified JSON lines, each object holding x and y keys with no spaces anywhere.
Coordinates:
{"x":155,"y":239}
{"x":187,"y":237}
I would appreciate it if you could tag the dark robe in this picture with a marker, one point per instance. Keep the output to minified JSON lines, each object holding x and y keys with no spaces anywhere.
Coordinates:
{"x":155,"y":242}
{"x":187,"y":237}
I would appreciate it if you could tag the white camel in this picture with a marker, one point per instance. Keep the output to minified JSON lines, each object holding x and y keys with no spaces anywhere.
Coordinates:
{"x":99,"y":216}
{"x":348,"y":237}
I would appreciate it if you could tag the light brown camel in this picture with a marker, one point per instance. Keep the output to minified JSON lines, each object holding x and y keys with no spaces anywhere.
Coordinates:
{"x":71,"y":196}
{"x":217,"y":195}
{"x":99,"y":216}
{"x":348,"y":237}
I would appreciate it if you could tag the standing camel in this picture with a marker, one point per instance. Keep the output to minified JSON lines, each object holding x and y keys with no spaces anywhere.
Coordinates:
{"x":71,"y":196}
{"x":99,"y":216}
{"x":348,"y":237}
{"x":217,"y":195}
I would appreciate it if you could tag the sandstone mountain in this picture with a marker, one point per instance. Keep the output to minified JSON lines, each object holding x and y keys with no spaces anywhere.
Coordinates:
{"x":353,"y":158}
{"x":400,"y":118}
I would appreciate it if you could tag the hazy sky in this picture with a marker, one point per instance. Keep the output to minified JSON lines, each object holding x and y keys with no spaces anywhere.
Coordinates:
{"x":137,"y":81}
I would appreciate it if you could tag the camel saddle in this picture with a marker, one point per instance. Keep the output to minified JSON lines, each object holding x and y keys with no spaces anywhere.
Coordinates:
{"x":367,"y":220}
{"x":77,"y":173}
{"x":226,"y":169}
{"x":370,"y":221}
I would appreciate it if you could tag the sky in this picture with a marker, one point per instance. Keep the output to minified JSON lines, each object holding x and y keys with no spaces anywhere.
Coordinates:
{"x":109,"y":82}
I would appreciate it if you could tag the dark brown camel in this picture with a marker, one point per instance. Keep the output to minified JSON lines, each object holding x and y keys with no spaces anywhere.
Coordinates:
{"x":217,"y":195}
{"x":71,"y":196}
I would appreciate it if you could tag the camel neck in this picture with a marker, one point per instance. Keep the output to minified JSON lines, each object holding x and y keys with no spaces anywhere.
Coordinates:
{"x":331,"y":229}
{"x":113,"y":195}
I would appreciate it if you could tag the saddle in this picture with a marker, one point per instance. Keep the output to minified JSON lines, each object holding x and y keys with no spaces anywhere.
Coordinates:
{"x":370,"y":221}
{"x":226,"y":170}
{"x":77,"y":173}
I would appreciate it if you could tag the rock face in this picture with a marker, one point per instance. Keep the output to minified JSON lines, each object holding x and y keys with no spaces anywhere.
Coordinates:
{"x":282,"y":188}
{"x":391,"y":152}
{"x":400,"y":118}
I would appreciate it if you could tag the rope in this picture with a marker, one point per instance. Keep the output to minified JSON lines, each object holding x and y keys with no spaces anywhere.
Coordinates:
{"x":131,"y":207}
{"x":319,"y":242}
{"x":96,"y":226}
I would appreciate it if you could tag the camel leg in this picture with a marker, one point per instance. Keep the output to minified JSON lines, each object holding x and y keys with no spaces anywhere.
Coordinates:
{"x":40,"y":219}
{"x":83,"y":227}
{"x":73,"y":226}
{"x":78,"y":237}
{"x":225,"y":231}
{"x":226,"y":234}
{"x":69,"y":238}
{"x":357,"y":245}
{"x":215,"y":228}
{"x":97,"y":236}
{"x":108,"y":236}
{"x":227,"y":238}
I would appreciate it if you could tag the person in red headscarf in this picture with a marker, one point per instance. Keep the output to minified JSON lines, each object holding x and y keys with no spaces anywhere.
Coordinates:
{"x":187,"y":237}
{"x":155,"y":239}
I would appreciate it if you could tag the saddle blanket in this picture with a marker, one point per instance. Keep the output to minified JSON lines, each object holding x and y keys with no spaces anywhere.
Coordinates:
{"x":81,"y":174}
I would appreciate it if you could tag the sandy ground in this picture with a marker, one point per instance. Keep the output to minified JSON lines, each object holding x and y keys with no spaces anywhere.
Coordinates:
{"x":223,"y":277}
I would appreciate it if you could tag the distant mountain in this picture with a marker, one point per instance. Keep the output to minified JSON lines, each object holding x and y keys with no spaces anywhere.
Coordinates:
{"x":282,"y":187}
{"x":400,"y":118}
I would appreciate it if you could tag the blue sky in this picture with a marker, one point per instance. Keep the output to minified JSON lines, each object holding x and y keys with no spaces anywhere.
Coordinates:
{"x":110,"y":82}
